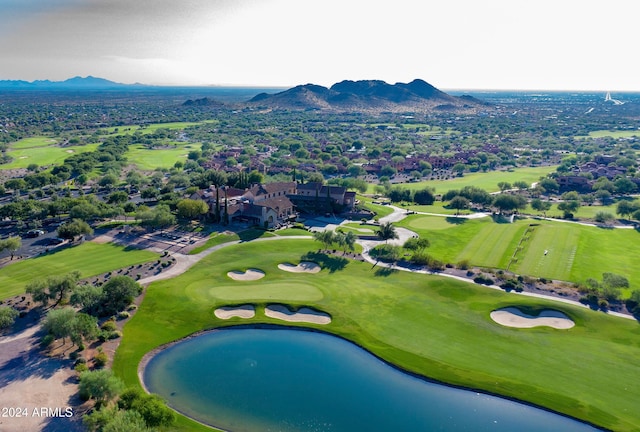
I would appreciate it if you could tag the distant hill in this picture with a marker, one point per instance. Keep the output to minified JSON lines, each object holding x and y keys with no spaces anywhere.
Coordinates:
{"x":205,"y":101}
{"x":368,"y":96}
{"x":80,"y":83}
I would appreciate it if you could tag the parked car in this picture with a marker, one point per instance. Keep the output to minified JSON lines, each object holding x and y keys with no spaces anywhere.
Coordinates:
{"x":34,"y":233}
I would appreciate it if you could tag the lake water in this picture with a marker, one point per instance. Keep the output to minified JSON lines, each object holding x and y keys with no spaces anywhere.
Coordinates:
{"x":285,"y":380}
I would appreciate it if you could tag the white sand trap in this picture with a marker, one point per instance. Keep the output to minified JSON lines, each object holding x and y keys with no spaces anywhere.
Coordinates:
{"x":303,"y":267}
{"x":249,"y":275}
{"x":303,"y":314}
{"x":514,"y":317}
{"x":242,"y":311}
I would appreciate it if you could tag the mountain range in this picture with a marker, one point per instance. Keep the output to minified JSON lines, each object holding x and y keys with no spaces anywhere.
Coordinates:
{"x":368,"y":96}
{"x":79,"y":83}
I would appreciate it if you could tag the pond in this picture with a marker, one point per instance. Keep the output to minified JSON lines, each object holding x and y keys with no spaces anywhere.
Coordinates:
{"x":252,"y":379}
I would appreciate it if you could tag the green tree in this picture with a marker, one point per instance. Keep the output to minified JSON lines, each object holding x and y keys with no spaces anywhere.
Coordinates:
{"x":541,"y":206}
{"x":506,"y":203}
{"x":118,"y":293}
{"x":569,"y":208}
{"x":60,"y":287}
{"x":350,"y":241}
{"x":504,"y":186}
{"x":604,"y":217}
{"x":117,"y":197}
{"x":417,"y":244}
{"x":8,"y":316}
{"x":76,"y":227}
{"x":12,"y":244}
{"x":521,"y":185}
{"x":325,"y":237}
{"x":549,"y":185}
{"x":153,"y":409}
{"x":83,"y":328}
{"x":624,"y":186}
{"x":59,"y":322}
{"x":459,"y":203}
{"x":424,"y":196}
{"x":88,"y":297}
{"x":39,"y":291}
{"x":126,"y":421}
{"x":192,"y":209}
{"x":387,"y":232}
{"x":627,"y":208}
{"x":100,"y":385}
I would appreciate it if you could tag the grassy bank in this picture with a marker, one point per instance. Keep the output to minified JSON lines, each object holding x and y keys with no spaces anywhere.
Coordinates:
{"x":89,"y":259}
{"x":433,"y":326}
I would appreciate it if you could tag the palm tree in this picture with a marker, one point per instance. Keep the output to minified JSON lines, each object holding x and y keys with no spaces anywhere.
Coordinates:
{"x":387,"y":232}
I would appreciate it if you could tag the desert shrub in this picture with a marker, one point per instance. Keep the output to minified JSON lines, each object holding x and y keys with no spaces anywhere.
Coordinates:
{"x":483,"y":280}
{"x":463,"y":264}
{"x":100,"y":360}
{"x":109,"y":325}
{"x":123,"y":315}
{"x":47,"y":340}
{"x":81,"y":367}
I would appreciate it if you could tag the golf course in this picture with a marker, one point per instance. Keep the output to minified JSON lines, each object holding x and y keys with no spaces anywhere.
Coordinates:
{"x":433,"y":326}
{"x":574,"y":252}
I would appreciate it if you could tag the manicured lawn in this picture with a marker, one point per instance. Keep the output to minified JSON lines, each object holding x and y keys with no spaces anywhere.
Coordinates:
{"x":150,"y":159}
{"x":147,"y":129}
{"x":433,"y":326}
{"x":575,"y":252}
{"x":214,"y":240}
{"x":488,"y":181}
{"x":41,"y":151}
{"x":88,"y":258}
{"x":614,"y":134}
{"x":33,"y":142}
{"x":380,"y":210}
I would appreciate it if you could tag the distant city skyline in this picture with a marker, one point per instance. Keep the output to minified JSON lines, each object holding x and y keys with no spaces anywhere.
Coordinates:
{"x":452,"y":44}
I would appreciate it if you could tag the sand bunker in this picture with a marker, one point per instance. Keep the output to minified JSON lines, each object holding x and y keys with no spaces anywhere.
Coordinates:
{"x":303,"y":267}
{"x":242,"y":311}
{"x":514,"y":317}
{"x":249,"y":275}
{"x":303,"y":314}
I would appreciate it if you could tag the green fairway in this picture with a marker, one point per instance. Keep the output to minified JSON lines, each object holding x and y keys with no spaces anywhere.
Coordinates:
{"x":433,"y":326}
{"x":33,"y":142}
{"x":88,"y":258}
{"x":488,"y":181}
{"x":613,"y":134}
{"x":494,"y":245}
{"x":165,"y":157}
{"x":41,"y":151}
{"x":151,"y":128}
{"x":575,"y":252}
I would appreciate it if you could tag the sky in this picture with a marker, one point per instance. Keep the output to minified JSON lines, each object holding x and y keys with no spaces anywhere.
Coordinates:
{"x":452,"y":44}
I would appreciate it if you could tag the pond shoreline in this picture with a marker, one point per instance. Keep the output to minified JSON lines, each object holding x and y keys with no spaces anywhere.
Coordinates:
{"x":266,"y":326}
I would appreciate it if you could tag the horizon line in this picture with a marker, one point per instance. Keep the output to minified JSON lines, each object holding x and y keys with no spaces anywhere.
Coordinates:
{"x":274,"y":86}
